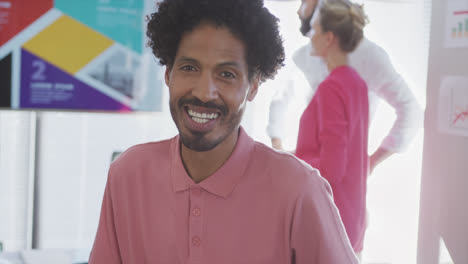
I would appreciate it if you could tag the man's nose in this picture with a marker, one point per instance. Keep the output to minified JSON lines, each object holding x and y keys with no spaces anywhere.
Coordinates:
{"x":205,"y":88}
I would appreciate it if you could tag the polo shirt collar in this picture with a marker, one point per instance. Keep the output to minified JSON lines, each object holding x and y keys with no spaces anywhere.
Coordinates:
{"x":225,"y":179}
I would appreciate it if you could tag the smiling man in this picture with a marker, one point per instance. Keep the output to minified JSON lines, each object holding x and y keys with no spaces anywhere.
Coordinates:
{"x":212,"y":194}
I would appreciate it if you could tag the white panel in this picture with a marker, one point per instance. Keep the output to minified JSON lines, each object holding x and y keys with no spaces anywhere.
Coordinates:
{"x":74,"y":155}
{"x":15,"y":181}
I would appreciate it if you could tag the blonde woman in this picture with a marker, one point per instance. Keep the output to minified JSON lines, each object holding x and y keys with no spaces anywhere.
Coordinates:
{"x":333,"y":129}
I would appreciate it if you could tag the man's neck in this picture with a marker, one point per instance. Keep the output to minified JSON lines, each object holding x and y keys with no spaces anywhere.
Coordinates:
{"x":201,"y":165}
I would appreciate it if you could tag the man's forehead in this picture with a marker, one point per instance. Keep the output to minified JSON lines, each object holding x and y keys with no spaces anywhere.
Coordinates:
{"x":211,"y":43}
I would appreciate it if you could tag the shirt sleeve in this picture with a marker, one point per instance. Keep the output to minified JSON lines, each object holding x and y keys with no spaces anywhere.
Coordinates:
{"x":333,"y":132}
{"x":106,"y":248}
{"x":389,"y":85}
{"x":317,"y":233}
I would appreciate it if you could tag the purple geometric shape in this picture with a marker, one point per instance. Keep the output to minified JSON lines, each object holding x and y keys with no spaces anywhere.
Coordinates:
{"x":45,"y":86}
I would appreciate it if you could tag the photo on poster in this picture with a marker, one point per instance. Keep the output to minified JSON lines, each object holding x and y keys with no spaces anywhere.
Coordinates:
{"x":118,"y":73}
{"x":126,"y":76}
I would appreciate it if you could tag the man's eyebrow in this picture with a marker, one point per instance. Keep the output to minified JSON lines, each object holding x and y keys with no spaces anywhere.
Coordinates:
{"x":229,"y":64}
{"x":187,"y":59}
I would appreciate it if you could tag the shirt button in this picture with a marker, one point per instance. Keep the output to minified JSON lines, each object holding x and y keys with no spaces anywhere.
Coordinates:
{"x":196,"y":241}
{"x":196,"y":212}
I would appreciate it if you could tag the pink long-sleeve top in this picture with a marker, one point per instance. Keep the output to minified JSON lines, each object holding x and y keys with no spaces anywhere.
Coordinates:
{"x":333,"y":135}
{"x":261,"y":206}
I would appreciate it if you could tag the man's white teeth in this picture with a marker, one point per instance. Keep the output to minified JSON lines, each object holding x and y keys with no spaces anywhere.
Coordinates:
{"x":200,"y":120}
{"x":202,"y":117}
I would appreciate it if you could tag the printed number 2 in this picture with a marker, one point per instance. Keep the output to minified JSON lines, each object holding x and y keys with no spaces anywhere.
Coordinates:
{"x":40,"y":68}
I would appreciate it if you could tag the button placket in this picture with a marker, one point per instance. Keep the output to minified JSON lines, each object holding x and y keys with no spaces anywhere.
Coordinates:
{"x":196,"y":222}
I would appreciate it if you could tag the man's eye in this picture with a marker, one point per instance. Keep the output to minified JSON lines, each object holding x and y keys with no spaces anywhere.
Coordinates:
{"x":228,"y":75}
{"x":187,"y":68}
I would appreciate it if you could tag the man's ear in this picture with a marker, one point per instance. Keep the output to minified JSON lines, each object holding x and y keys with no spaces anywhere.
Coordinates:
{"x":167,"y":74}
{"x":253,"y":88}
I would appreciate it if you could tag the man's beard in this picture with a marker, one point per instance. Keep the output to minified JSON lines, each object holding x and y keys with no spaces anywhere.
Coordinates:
{"x":305,"y":25}
{"x":197,"y":141}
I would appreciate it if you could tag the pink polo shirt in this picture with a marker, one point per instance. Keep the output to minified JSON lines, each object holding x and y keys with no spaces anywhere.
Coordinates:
{"x":261,"y":206}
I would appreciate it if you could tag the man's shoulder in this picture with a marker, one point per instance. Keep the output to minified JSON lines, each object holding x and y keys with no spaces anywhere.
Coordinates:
{"x":144,"y":152}
{"x":142,"y":161}
{"x":286,"y":169}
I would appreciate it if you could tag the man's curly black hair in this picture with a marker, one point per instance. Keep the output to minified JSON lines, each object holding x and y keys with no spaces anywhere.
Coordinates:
{"x":248,"y":20}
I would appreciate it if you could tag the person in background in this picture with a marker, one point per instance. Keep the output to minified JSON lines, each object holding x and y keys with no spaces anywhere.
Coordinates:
{"x":383,"y":81}
{"x":333,"y":129}
{"x":211,"y":194}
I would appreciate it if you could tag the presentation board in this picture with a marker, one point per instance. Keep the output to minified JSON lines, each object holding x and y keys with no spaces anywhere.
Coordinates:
{"x":77,"y":55}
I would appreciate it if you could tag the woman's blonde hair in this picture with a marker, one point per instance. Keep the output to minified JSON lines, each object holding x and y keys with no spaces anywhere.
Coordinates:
{"x":345,"y":19}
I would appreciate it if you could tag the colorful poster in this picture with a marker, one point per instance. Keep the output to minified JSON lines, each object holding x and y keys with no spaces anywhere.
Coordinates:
{"x":78,"y":55}
{"x":453,"y":105}
{"x":456,"y":24}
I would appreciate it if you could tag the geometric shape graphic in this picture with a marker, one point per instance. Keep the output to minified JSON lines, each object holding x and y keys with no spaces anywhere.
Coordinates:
{"x":16,"y":15}
{"x":119,"y":20}
{"x":5,"y":82}
{"x":45,"y":86}
{"x":68,"y":44}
